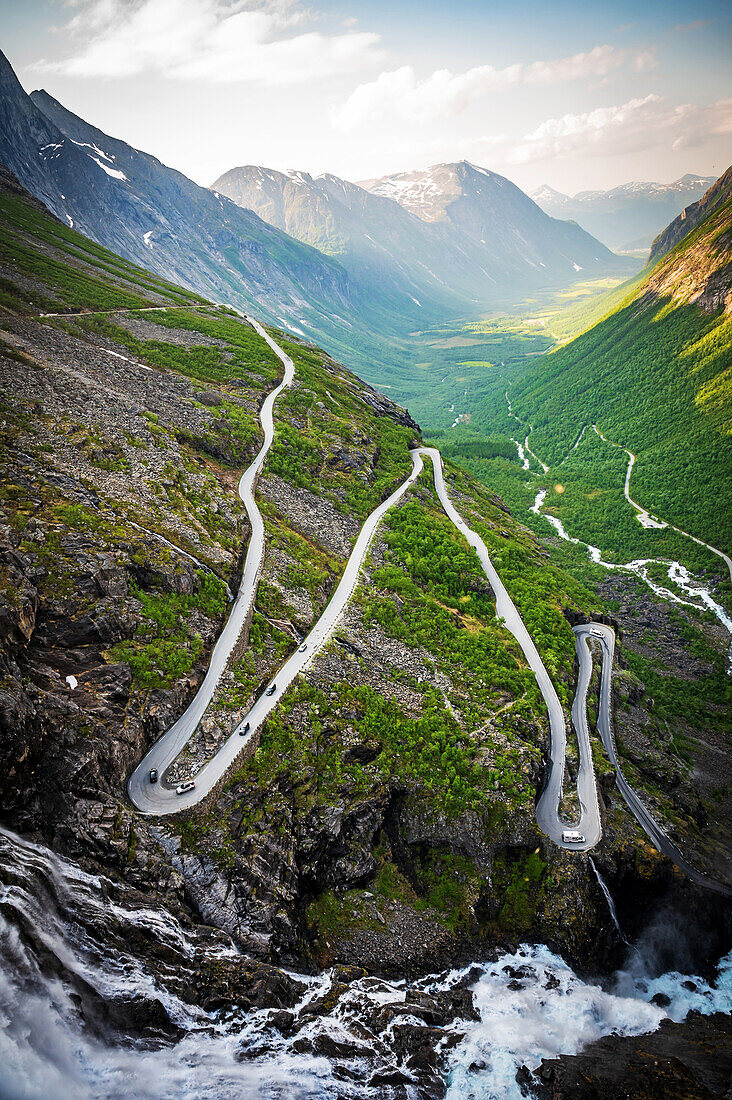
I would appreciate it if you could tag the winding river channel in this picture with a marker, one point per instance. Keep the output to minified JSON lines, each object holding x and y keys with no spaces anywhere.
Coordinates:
{"x":677,"y":573}
{"x":698,"y":594}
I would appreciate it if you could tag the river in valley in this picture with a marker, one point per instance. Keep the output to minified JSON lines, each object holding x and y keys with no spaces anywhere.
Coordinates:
{"x":93,"y":1007}
{"x":696,"y":594}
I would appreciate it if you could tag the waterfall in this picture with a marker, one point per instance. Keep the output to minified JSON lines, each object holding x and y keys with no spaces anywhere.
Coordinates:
{"x":609,"y":899}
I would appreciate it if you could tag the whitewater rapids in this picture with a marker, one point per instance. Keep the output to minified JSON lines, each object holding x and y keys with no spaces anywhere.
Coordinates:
{"x":67,"y":966}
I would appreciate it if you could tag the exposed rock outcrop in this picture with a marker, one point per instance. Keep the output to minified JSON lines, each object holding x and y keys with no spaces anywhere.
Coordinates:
{"x":687,"y":1061}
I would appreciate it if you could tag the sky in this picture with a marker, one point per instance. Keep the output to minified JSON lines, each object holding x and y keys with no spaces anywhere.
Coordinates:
{"x":578,"y":94}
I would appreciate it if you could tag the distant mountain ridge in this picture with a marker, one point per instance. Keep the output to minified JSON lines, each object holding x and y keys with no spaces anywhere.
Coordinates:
{"x":481,"y":207}
{"x":374,"y":237}
{"x":128,"y":201}
{"x":628,"y":216}
{"x":455,"y":233}
{"x":362,"y":275}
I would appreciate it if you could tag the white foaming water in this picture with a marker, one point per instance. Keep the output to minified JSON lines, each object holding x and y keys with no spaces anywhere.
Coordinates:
{"x":524,"y":450}
{"x":677,"y":573}
{"x":45,"y":1054}
{"x":63,"y":937}
{"x":528,"y":450}
{"x":523,"y":458}
{"x":554,"y":1012}
{"x":686,"y":992}
{"x":62,"y":940}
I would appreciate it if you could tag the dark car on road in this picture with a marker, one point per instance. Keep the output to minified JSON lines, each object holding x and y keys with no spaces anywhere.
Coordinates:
{"x":271,"y":689}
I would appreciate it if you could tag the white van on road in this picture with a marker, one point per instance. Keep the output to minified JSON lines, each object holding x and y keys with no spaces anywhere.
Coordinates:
{"x":571,"y":836}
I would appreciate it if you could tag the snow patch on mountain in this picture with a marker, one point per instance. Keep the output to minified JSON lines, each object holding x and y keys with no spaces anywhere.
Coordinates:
{"x":91,"y":145}
{"x":113,"y":172}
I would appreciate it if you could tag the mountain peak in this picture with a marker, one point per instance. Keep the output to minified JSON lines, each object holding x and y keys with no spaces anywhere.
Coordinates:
{"x":428,"y":192}
{"x":626,"y":217}
{"x":298,"y":176}
{"x":546,"y":193}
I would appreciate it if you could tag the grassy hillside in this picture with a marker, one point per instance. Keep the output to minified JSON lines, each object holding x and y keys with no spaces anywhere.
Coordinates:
{"x":654,"y":376}
{"x":392,"y":792}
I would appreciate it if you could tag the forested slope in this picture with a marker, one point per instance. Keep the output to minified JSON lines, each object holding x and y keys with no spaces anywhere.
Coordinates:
{"x":654,"y":376}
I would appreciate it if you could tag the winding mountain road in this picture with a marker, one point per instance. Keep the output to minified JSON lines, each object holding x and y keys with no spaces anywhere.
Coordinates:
{"x":170,"y":745}
{"x":605,"y":635}
{"x":161,"y":798}
{"x":547,"y":809}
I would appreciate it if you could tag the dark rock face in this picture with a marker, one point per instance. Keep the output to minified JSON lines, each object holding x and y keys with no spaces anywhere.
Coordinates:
{"x":221,"y":983}
{"x":687,"y":1061}
{"x":698,"y":270}
{"x":57,"y":733}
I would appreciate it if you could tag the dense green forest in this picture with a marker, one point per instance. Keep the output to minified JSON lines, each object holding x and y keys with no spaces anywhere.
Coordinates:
{"x":652,"y":379}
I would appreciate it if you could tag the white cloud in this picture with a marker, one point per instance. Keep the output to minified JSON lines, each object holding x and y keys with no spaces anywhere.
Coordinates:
{"x":602,"y":129}
{"x":702,"y":124}
{"x":638,"y":125}
{"x":219,"y":41}
{"x":400,"y":91}
{"x":645,"y":61}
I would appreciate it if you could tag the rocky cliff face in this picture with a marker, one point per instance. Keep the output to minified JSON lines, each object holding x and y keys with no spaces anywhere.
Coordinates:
{"x":685,"y":1061}
{"x":718,"y":194}
{"x":696,"y":267}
